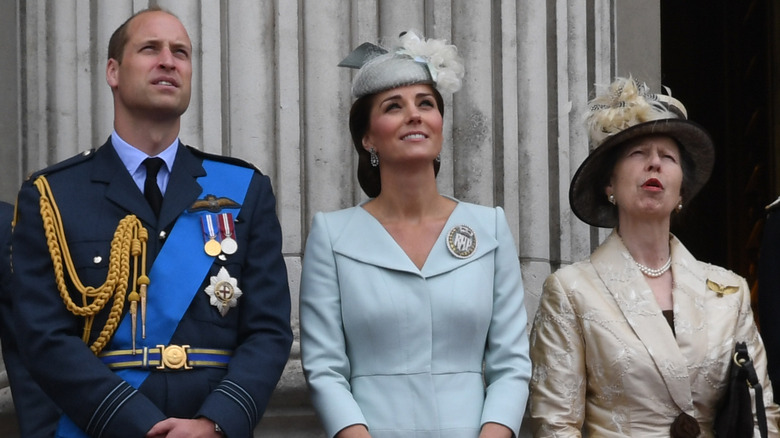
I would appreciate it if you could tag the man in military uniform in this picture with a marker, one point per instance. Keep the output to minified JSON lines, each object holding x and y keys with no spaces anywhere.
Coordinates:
{"x":151,"y":296}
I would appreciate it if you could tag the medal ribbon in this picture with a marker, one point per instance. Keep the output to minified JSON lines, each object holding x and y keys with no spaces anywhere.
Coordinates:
{"x":211,"y":244}
{"x":226,"y":225}
{"x":178,"y":282}
{"x":209,"y":233}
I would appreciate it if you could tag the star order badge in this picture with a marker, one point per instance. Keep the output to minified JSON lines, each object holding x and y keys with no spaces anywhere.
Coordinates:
{"x":461,"y":241}
{"x":223,"y":291}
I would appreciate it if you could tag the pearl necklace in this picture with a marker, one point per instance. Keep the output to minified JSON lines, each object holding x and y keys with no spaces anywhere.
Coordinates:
{"x":650,"y":272}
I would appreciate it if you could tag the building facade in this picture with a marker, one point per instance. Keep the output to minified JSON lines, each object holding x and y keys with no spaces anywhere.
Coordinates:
{"x":267,"y":89}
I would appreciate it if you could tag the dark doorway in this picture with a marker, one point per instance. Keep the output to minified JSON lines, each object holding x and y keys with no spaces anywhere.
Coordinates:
{"x":717,"y":58}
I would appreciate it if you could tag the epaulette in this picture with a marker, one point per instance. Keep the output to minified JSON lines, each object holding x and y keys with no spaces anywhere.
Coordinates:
{"x":64,"y":164}
{"x":222,"y":158}
{"x":773,"y":205}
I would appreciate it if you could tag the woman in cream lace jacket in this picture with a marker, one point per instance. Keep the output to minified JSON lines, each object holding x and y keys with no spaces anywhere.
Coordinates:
{"x":637,"y":340}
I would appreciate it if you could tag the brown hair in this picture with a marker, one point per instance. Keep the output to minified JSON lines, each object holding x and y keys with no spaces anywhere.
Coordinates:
{"x":359,"y":124}
{"x":118,"y":40}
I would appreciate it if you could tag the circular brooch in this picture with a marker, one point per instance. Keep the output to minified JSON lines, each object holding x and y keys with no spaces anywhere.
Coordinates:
{"x":461,"y":241}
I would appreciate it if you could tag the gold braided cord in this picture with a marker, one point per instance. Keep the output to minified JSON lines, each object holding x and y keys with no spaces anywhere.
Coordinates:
{"x":129,"y":241}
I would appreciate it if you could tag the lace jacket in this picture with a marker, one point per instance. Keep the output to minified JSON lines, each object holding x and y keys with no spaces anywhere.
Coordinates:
{"x":606,"y":361}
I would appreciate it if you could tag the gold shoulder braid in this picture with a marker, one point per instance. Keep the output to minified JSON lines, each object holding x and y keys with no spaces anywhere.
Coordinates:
{"x":129,"y":241}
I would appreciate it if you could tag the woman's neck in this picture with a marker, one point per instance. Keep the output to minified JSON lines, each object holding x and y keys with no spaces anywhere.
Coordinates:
{"x":408,"y":195}
{"x":648,"y":242}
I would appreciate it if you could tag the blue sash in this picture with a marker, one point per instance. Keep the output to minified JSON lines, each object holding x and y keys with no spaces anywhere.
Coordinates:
{"x":180,"y":282}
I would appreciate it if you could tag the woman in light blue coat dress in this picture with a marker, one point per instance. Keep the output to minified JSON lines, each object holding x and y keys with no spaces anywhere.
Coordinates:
{"x":412,"y":315}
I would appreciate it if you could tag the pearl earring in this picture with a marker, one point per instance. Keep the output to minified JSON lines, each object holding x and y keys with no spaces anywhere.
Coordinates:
{"x":611,"y":198}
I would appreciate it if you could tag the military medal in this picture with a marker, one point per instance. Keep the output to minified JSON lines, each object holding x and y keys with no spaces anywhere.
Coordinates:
{"x":212,"y":247}
{"x":461,"y":241}
{"x":227,"y":230}
{"x":223,"y":291}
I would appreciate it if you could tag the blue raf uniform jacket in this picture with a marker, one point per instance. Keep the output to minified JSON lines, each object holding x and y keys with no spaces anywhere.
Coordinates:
{"x":94,"y":192}
{"x":35,"y":412}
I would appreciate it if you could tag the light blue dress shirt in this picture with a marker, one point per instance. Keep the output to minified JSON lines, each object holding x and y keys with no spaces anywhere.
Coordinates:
{"x":133,"y":159}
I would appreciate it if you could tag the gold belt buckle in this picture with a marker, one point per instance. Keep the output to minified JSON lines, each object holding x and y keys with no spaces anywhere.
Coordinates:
{"x":173,"y":357}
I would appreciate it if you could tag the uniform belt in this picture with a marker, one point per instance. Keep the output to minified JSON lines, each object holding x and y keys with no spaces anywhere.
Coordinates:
{"x":170,"y":357}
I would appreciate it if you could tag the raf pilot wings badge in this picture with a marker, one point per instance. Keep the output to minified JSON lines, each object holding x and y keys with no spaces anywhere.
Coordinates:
{"x":213,"y":204}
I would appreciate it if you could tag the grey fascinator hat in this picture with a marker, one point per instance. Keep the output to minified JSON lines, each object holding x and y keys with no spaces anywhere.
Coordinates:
{"x":627,"y":110}
{"x":414,"y":60}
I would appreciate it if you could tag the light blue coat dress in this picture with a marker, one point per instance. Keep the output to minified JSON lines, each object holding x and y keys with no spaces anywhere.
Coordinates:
{"x":400,"y":349}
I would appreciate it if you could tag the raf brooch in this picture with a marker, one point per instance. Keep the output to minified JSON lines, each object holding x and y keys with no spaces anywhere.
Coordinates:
{"x":223,"y":291}
{"x":461,"y":241}
{"x":720,"y":289}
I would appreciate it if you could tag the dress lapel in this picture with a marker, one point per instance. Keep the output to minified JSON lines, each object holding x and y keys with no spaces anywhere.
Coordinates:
{"x":441,"y":260}
{"x":689,"y":310}
{"x":365,"y":239}
{"x":635,"y":299}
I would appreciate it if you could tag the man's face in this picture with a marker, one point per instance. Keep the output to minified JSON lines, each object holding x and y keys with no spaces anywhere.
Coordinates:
{"x":154,"y":77}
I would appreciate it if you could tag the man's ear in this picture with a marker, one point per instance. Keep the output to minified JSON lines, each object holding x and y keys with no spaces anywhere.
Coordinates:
{"x":112,"y":73}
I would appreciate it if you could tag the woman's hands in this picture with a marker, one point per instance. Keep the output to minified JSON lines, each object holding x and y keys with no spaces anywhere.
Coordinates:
{"x":354,"y":431}
{"x":495,"y":430}
{"x":489,"y":430}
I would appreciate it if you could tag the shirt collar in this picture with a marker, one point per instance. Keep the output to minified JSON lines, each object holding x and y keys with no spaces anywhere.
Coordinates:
{"x":133,"y":157}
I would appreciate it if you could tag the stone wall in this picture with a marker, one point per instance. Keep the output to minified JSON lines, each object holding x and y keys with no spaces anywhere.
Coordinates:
{"x":266,"y":88}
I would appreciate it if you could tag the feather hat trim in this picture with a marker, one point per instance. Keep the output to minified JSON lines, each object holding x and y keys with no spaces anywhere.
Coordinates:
{"x":414,"y":60}
{"x":625,"y":104}
{"x":625,"y":111}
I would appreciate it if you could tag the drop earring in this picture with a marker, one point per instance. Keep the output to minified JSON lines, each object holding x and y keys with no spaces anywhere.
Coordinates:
{"x":438,"y":158}
{"x":374,"y":157}
{"x":611,"y":199}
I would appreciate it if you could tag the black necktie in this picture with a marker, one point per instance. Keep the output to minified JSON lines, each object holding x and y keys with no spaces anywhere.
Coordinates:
{"x":151,"y":189}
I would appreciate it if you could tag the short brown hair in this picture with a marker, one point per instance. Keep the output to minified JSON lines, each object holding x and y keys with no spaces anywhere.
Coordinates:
{"x":118,"y":40}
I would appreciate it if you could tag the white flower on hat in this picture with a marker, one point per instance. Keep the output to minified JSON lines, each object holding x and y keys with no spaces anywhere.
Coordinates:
{"x":444,"y":63}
